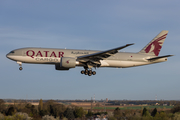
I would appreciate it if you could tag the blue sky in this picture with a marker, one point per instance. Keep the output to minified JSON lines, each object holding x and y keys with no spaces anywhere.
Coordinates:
{"x":96,"y":25}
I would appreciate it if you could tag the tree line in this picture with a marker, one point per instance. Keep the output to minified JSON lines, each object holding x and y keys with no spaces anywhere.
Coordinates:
{"x":140,"y":102}
{"x":51,"y":110}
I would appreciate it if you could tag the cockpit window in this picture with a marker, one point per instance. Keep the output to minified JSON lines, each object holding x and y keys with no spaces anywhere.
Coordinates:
{"x":12,"y":52}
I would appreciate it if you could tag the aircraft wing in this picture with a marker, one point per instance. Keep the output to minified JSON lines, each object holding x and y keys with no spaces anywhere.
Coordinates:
{"x":101,"y":55}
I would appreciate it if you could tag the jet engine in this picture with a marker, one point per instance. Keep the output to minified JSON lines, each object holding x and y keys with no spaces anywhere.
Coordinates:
{"x":66,"y":63}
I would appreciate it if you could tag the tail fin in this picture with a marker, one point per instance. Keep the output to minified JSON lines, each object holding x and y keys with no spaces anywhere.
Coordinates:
{"x":154,"y":47}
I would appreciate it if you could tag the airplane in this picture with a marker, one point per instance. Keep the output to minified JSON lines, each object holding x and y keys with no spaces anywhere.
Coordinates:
{"x":65,"y":59}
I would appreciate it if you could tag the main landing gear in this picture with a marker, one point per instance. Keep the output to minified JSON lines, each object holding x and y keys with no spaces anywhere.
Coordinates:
{"x":20,"y":64}
{"x":88,"y":72}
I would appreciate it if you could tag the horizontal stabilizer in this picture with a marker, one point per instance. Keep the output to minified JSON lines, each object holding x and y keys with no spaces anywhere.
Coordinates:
{"x":156,"y":58}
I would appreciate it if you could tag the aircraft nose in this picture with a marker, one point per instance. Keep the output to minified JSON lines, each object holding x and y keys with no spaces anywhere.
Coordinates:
{"x":10,"y":55}
{"x":7,"y":55}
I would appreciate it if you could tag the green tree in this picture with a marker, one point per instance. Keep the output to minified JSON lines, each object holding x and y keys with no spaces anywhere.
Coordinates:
{"x":161,"y":116}
{"x":26,"y":109}
{"x":69,"y":113}
{"x":153,"y":113}
{"x":144,"y":112}
{"x":33,"y":110}
{"x":2,"y":106}
{"x":89,"y":114}
{"x":78,"y":112}
{"x":43,"y":112}
{"x":147,"y":114}
{"x":11,"y":111}
{"x":48,"y":106}
{"x":177,"y":116}
{"x":53,"y":108}
{"x":40,"y":105}
{"x":1,"y":116}
{"x":175,"y":109}
{"x":21,"y":116}
{"x":117,"y":113}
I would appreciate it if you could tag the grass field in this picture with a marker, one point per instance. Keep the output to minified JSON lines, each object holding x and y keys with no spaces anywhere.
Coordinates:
{"x":136,"y":107}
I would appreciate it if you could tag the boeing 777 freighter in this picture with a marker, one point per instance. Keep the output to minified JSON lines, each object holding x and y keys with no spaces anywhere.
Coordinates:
{"x":64,"y":59}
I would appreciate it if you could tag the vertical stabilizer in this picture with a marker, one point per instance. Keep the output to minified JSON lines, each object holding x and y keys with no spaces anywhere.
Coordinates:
{"x":154,"y":47}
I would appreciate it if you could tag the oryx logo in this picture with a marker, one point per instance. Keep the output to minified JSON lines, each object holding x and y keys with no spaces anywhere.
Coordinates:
{"x":67,"y":61}
{"x":156,"y":45}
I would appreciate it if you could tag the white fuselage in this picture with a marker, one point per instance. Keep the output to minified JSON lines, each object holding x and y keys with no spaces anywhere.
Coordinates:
{"x":53,"y":56}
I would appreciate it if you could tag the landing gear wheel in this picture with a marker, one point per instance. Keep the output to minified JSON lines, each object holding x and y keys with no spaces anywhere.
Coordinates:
{"x":86,"y":72}
{"x":20,"y":68}
{"x":94,"y":72}
{"x":89,"y":74}
{"x":82,"y":72}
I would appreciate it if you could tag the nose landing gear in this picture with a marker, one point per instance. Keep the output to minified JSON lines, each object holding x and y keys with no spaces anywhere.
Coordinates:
{"x":88,"y":72}
{"x":20,"y":64}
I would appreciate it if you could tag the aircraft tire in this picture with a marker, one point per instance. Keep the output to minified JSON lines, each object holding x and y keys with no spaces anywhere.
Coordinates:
{"x":86,"y":73}
{"x":82,"y":72}
{"x":94,"y":72}
{"x":89,"y":74}
{"x":20,"y":68}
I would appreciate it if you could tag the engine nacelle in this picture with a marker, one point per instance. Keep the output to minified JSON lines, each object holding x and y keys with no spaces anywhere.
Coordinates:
{"x":67,"y":62}
{"x":58,"y":67}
